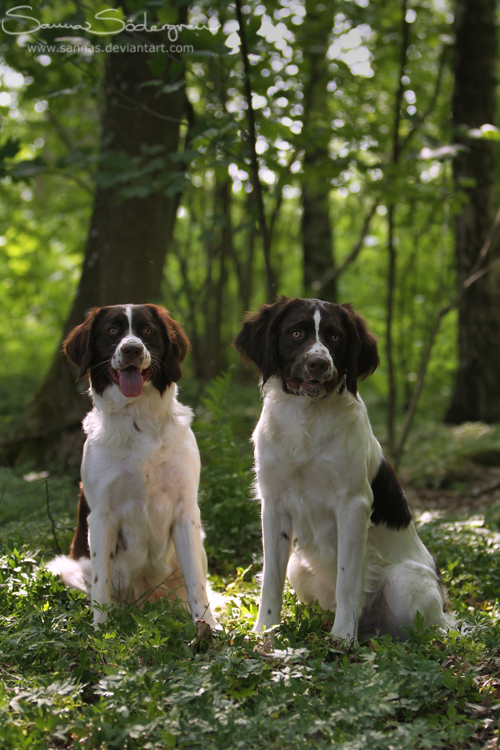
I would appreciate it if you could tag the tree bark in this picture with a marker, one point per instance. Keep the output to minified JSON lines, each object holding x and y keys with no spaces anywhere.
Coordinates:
{"x":317,"y":234}
{"x":210,"y":358}
{"x":244,"y":266}
{"x":476,"y":395}
{"x":126,"y":244}
{"x":265,"y":234}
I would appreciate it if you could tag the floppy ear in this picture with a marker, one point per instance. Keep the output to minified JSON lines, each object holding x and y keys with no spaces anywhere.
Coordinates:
{"x":257,"y":340}
{"x":363,"y":357}
{"x":176,"y":345}
{"x":78,"y":346}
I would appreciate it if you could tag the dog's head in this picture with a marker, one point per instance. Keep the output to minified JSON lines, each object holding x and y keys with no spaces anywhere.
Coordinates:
{"x":313,"y":346}
{"x":127,"y":345}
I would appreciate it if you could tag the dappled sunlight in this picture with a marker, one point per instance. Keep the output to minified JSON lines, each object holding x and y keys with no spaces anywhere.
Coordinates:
{"x":471,"y":430}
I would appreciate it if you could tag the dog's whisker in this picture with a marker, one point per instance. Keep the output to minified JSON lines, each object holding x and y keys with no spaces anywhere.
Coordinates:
{"x":104,"y":362}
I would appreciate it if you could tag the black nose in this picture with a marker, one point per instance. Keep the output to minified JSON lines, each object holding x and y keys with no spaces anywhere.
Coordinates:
{"x":316,"y":366}
{"x":131,"y":351}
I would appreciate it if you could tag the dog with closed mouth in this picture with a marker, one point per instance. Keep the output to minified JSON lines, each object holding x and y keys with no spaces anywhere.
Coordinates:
{"x":334,"y":516}
{"x":139,"y":532}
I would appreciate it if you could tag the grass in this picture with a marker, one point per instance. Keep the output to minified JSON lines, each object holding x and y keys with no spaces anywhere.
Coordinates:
{"x":145,"y":681}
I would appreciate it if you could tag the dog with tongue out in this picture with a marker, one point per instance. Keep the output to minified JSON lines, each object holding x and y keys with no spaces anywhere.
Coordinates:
{"x":139,"y":531}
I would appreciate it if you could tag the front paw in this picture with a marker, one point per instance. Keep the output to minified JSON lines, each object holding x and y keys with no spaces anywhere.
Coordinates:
{"x":264,"y":623}
{"x":99,"y":613}
{"x":209,"y":619}
{"x":345,"y":636}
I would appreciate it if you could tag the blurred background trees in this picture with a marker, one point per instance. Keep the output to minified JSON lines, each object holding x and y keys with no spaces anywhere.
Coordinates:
{"x":129,"y":176}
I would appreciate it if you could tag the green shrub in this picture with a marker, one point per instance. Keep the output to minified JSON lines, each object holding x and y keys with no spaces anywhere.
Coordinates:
{"x":229,"y":513}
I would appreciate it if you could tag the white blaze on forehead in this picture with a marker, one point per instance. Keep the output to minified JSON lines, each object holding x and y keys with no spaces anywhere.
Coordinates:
{"x":317,"y":320}
{"x":118,"y":361}
{"x":128,"y":313}
{"x":318,"y":347}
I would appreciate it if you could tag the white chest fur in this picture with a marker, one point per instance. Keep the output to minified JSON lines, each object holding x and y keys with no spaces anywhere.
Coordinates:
{"x":140,"y":474}
{"x":139,"y":461}
{"x":325,"y":447}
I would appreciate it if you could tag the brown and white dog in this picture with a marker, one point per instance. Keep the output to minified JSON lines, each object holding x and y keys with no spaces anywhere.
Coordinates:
{"x":139,"y":531}
{"x":333,"y":510}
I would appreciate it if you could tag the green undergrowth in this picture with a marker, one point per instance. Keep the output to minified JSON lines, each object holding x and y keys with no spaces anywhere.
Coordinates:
{"x":147,"y":680}
{"x":144,"y":681}
{"x":441,"y":456}
{"x":231,"y":518}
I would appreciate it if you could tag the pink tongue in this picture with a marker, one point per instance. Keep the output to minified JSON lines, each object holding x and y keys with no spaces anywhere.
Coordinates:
{"x":130,"y":382}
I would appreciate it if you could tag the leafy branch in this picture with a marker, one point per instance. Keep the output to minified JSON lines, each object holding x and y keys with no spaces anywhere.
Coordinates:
{"x":477,"y":273}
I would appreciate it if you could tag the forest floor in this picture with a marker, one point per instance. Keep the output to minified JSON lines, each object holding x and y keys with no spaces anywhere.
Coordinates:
{"x":475,"y":496}
{"x":146,"y":681}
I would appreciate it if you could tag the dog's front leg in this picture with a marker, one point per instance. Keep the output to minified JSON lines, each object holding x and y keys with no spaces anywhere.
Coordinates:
{"x":192,"y":559}
{"x":277,"y":540}
{"x":103,"y":535}
{"x":353,"y":520}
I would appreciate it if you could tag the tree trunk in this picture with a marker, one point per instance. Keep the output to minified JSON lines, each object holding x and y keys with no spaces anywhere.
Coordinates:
{"x":244,"y":265}
{"x":476,"y":394}
{"x":265,"y":234}
{"x":127,"y":240}
{"x":210,"y":357}
{"x":224,"y":234}
{"x":317,"y":235}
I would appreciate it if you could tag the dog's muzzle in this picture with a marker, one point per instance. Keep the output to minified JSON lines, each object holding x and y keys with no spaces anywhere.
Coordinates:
{"x":130,"y":367}
{"x":315,"y":376}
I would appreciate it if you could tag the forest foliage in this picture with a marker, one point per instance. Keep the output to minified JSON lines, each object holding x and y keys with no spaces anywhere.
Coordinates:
{"x":389,"y":156}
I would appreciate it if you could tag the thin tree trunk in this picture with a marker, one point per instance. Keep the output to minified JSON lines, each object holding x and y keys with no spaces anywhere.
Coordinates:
{"x":391,"y":243}
{"x":223,"y":193}
{"x":476,"y":395}
{"x":391,"y":288}
{"x":218,"y":252}
{"x":265,"y":234}
{"x":244,"y":265}
{"x":479,"y":271}
{"x":317,"y":234}
{"x":126,"y":245}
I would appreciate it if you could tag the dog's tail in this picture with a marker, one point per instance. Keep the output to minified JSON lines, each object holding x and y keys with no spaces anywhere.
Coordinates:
{"x":75,"y":574}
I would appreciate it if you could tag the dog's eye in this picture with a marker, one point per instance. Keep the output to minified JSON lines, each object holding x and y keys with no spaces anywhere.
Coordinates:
{"x":112,"y":331}
{"x":334,"y":337}
{"x":147,"y":331}
{"x":296,"y":334}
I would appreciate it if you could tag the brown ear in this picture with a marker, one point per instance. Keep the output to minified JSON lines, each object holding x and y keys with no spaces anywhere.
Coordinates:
{"x":363,"y":351}
{"x":176,"y":347}
{"x":77,"y":346}
{"x":256,"y":342}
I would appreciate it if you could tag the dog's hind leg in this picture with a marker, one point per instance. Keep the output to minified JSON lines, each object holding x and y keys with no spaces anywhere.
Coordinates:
{"x":309,"y":585}
{"x":410,"y":588}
